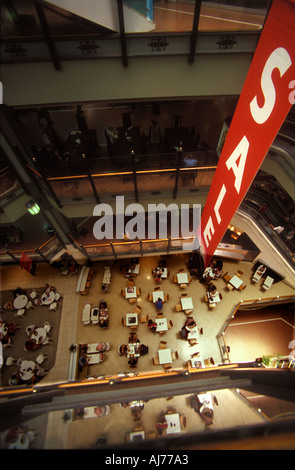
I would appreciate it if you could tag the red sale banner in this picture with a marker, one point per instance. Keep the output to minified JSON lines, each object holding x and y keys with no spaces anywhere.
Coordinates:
{"x":267,"y":96}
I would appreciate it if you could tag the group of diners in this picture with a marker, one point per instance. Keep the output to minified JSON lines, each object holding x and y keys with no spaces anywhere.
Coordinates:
{"x":133,"y":350}
{"x":160,"y":272}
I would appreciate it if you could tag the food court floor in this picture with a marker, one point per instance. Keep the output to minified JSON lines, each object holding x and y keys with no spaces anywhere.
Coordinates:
{"x":82,"y":433}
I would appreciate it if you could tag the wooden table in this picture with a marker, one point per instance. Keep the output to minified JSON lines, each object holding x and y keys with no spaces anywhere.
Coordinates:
{"x":165,"y":356}
{"x":39,"y":335}
{"x":194,"y":333}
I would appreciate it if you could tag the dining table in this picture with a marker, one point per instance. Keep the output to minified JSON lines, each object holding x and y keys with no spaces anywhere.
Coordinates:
{"x":173,"y":423}
{"x":213,"y":298}
{"x":128,"y":139}
{"x":158,"y":294}
{"x":130,"y":292}
{"x":136,"y":436}
{"x":193,"y":333}
{"x":197,"y":363}
{"x":133,"y":350}
{"x":134,"y":269}
{"x":268,"y":282}
{"x":259,"y":273}
{"x":27,"y":370}
{"x":186,"y":303}
{"x":178,"y":137}
{"x":3,"y":329}
{"x":39,"y":335}
{"x":162,"y":324}
{"x":131,"y":319}
{"x":48,"y":297}
{"x":78,"y":144}
{"x":94,"y":358}
{"x":182,"y":278}
{"x":20,"y":301}
{"x":236,"y":281}
{"x":161,"y":271}
{"x":165,"y":356}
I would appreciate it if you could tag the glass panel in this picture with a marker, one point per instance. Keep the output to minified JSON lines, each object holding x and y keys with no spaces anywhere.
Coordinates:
{"x":233,"y":15}
{"x":114,"y":184}
{"x":156,"y":181}
{"x":173,"y":17}
{"x":127,"y":247}
{"x":77,"y":188}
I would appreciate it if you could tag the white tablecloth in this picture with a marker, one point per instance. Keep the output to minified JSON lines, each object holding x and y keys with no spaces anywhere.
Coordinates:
{"x":162,"y":324}
{"x":130,"y":292}
{"x":20,"y":301}
{"x":187,"y":303}
{"x":130,"y":317}
{"x":158,"y":294}
{"x":173,"y":422}
{"x":182,"y":278}
{"x":165,"y":356}
{"x":236,"y":281}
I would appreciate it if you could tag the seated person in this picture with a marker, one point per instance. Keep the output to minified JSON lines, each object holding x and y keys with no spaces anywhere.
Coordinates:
{"x":212,"y":288}
{"x":159,"y":304}
{"x":152,"y":325}
{"x":123,"y":349}
{"x":82,"y":362}
{"x":143,"y":349}
{"x":133,"y":361}
{"x":183,"y":332}
{"x":133,"y":337}
{"x":190,"y":323}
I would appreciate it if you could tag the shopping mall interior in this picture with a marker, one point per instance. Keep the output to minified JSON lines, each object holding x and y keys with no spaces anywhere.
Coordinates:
{"x":134,"y":99}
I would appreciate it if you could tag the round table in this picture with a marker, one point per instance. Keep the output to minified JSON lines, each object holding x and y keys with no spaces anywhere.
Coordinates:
{"x":20,"y":301}
{"x":22,"y":442}
{"x":3,"y":330}
{"x":39,"y":335}
{"x":47,"y":299}
{"x":26,"y":371}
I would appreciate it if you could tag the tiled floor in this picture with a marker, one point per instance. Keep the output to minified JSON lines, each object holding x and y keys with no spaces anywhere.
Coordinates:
{"x":83,"y":433}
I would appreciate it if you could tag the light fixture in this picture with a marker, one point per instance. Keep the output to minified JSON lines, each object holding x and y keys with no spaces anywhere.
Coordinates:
{"x":33,"y":207}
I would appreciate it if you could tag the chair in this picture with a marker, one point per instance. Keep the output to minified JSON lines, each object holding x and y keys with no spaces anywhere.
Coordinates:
{"x":213,"y":305}
{"x":156,"y":361}
{"x":170,"y":324}
{"x":182,"y":286}
{"x":130,"y":282}
{"x":181,"y":270}
{"x":30,"y":329}
{"x":41,"y":358}
{"x":183,"y":295}
{"x":123,"y":321}
{"x":138,"y":309}
{"x":175,"y":280}
{"x":10,"y":361}
{"x":163,"y":345}
{"x":47,"y":326}
{"x":132,"y":301}
{"x":143,"y":318}
{"x":57,"y":296}
{"x":47,"y":341}
{"x":178,"y":308}
{"x":29,"y":305}
{"x":150,"y":297}
{"x":226,"y":277}
{"x":53,"y":306}
{"x":192,"y":342}
{"x":159,"y":314}
{"x":167,"y":366}
{"x":182,"y":419}
{"x":156,"y":288}
{"x":240,"y":272}
{"x":206,"y":298}
{"x":33,"y":294}
{"x":229,"y":286}
{"x":201,"y":331}
{"x":174,"y":355}
{"x":166,"y":297}
{"x":20,"y":313}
